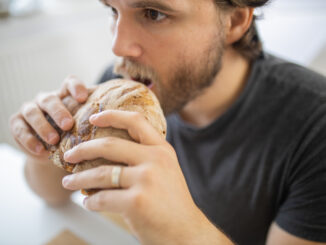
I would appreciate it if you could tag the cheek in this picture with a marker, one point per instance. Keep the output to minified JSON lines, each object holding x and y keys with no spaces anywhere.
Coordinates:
{"x":185,"y":45}
{"x":177,"y":47}
{"x":162,"y":56}
{"x":165,"y":54}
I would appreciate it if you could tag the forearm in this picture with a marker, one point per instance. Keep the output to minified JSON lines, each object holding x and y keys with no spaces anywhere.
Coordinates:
{"x":207,"y":233}
{"x":195,"y":229}
{"x":44,"y":178}
{"x":214,"y":236}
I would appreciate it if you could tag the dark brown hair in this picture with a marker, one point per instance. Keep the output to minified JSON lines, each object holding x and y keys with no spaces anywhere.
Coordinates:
{"x":249,"y":45}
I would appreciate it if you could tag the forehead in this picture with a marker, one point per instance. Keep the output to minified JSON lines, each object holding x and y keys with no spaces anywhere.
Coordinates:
{"x":168,"y":4}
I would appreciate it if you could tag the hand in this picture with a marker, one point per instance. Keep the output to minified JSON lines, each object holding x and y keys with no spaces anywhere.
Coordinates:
{"x":30,"y":119}
{"x":154,"y":198}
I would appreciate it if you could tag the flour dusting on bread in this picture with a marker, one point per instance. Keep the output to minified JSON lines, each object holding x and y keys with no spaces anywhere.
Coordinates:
{"x":118,"y":94}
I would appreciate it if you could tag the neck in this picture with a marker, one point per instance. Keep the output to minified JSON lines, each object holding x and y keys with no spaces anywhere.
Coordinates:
{"x":218,"y":98}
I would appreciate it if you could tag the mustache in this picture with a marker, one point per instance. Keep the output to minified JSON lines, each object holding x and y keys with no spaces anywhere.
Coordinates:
{"x":132,"y":69}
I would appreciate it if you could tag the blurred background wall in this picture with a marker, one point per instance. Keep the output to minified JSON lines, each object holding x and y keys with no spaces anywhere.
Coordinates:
{"x":46,"y":40}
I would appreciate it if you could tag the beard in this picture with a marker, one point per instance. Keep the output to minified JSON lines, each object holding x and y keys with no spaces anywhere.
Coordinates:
{"x":188,"y":80}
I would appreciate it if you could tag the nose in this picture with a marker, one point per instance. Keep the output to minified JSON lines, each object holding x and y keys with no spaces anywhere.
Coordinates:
{"x":125,"y":39}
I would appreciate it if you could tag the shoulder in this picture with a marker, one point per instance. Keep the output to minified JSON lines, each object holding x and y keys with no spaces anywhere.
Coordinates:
{"x":290,"y":76}
{"x":290,"y":94}
{"x":293,"y":101}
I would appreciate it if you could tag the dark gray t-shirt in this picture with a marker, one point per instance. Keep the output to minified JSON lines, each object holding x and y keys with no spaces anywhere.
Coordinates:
{"x":263,"y":160}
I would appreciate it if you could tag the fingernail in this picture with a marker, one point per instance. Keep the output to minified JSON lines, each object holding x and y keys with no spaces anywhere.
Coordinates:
{"x":65,"y":123}
{"x":67,"y":154}
{"x":93,"y":117}
{"x":52,"y":137}
{"x":39,"y":148}
{"x":66,"y":180}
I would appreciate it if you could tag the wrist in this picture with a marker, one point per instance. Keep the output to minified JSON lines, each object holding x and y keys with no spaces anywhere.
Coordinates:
{"x":44,"y":178}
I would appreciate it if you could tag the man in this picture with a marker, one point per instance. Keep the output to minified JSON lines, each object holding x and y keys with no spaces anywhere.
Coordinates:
{"x":246,"y":158}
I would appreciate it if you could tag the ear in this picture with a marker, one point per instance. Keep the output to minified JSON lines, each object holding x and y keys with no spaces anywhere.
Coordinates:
{"x":239,"y":22}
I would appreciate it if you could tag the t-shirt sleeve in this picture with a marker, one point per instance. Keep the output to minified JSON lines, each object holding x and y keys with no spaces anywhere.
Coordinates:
{"x":108,"y":74}
{"x":303,"y":212}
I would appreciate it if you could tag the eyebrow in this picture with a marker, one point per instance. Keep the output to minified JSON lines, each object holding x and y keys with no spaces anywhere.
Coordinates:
{"x":156,"y":4}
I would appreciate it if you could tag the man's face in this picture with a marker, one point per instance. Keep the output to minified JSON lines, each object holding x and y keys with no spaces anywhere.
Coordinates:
{"x":173,"y":46}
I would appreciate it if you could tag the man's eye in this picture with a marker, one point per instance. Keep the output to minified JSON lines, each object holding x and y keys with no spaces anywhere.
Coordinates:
{"x":154,"y":15}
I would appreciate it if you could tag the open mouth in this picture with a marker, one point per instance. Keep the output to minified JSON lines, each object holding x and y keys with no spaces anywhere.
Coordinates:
{"x":146,"y":81}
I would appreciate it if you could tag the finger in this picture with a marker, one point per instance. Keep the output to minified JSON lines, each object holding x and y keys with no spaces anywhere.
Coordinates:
{"x":52,"y":105}
{"x":36,"y":119}
{"x":136,"y":124}
{"x":97,"y":178}
{"x":75,"y":87}
{"x":41,"y":152}
{"x":115,"y":201}
{"x":110,"y":148}
{"x":24,"y":136}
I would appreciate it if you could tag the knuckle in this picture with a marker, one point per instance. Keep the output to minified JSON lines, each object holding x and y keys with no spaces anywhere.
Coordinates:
{"x":59,"y":113}
{"x":43,"y":129}
{"x":146,"y":175}
{"x":169,"y":148}
{"x":159,"y":154}
{"x":13,"y":123}
{"x":136,"y":200}
{"x":67,"y":80}
{"x":165,"y":153}
{"x":29,"y":109}
{"x":137,"y":117}
{"x":102,"y":174}
{"x":40,"y":96}
{"x":18,"y":131}
{"x":72,"y":81}
{"x":46,"y":98}
{"x":29,"y":141}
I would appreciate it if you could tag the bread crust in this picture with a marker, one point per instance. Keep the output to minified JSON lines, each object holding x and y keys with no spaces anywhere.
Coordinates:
{"x":118,"y":94}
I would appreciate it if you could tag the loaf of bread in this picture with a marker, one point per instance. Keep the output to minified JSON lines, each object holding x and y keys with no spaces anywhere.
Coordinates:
{"x":116,"y":94}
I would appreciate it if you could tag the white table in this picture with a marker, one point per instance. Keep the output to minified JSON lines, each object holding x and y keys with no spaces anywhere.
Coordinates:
{"x":26,"y":219}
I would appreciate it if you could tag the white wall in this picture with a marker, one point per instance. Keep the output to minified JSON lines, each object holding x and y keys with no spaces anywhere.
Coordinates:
{"x":295,"y":29}
{"x":37,"y":52}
